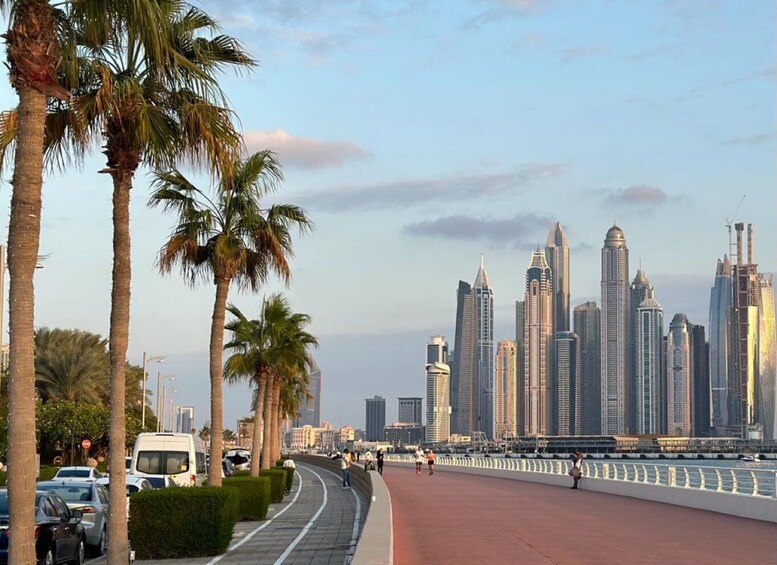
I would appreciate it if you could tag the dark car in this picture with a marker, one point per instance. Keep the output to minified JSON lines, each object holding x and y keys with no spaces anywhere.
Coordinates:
{"x":59,"y":535}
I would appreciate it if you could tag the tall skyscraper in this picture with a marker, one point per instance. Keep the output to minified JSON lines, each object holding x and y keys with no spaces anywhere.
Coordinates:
{"x":700,"y":355}
{"x":640,"y":290}
{"x":184,"y":419}
{"x":376,"y":418}
{"x":743,"y":378}
{"x":409,"y":409}
{"x":310,"y":404}
{"x":720,"y":336}
{"x":438,"y":409}
{"x":520,"y":336}
{"x":484,"y":308}
{"x":588,"y":320}
{"x":679,"y":377}
{"x":615,"y":332}
{"x":557,"y":256}
{"x":506,"y":390}
{"x":648,"y":385}
{"x":538,"y":341}
{"x":437,"y":350}
{"x":568,"y":385}
{"x":767,"y":358}
{"x":463,"y":376}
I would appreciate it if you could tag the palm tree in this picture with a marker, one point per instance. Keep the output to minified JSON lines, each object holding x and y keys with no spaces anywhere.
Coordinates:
{"x":227,"y":238}
{"x":293,"y":390}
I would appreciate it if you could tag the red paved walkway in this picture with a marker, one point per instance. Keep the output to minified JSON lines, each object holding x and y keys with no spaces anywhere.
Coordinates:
{"x":457,"y":518}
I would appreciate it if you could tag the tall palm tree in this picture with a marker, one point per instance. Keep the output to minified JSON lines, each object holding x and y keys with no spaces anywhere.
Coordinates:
{"x":293,"y":390}
{"x":227,"y":238}
{"x":35,"y":55}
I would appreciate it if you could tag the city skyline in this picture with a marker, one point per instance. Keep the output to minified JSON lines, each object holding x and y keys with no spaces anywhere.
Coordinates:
{"x":635,"y":112}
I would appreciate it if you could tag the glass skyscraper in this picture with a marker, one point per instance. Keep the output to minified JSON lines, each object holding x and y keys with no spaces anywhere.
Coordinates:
{"x":640,"y":290}
{"x":648,"y":384}
{"x":375,"y":418}
{"x":679,"y":377}
{"x":538,"y":343}
{"x":463,"y":374}
{"x":720,"y":335}
{"x":484,"y":309}
{"x":767,"y":352}
{"x":588,"y":319}
{"x":568,"y":386}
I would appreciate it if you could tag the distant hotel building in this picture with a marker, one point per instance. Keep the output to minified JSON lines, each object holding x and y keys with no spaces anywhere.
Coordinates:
{"x":557,"y":256}
{"x":376,"y":418}
{"x":679,"y":377}
{"x":538,"y":341}
{"x":568,"y":385}
{"x":639,"y":291}
{"x":409,"y":410}
{"x":438,"y":394}
{"x":615,"y":333}
{"x":700,"y":355}
{"x":184,"y":419}
{"x":588,"y":319}
{"x":720,"y":362}
{"x":484,"y":307}
{"x":506,"y":390}
{"x":767,"y":357}
{"x":649,"y":384}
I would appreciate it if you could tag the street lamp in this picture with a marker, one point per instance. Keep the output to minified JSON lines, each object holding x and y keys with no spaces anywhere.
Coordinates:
{"x":160,"y":401}
{"x":146,"y":360}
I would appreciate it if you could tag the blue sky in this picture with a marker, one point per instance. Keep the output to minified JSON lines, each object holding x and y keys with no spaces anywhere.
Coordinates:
{"x":418,"y":135}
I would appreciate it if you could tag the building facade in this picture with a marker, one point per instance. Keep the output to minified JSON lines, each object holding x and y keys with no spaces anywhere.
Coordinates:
{"x":438,"y":407}
{"x":649,"y":381}
{"x":401,"y":434}
{"x":720,"y":336}
{"x":568,"y":385}
{"x":375,"y":417}
{"x":437,"y":350}
{"x":310,"y":404}
{"x":679,"y":377}
{"x":615,"y":333}
{"x":184,"y":419}
{"x":463,"y":371}
{"x":538,"y":340}
{"x":767,"y":358}
{"x":520,"y":371}
{"x":557,"y":256}
{"x":484,"y":308}
{"x":409,"y":410}
{"x":700,"y":355}
{"x":588,"y":319}
{"x":506,"y":390}
{"x":639,"y":291}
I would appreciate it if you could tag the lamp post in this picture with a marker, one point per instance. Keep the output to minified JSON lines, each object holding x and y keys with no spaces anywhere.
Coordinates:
{"x":160,"y":400}
{"x":146,"y":360}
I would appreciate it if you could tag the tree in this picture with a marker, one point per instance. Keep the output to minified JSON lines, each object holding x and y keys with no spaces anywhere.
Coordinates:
{"x":227,"y":238}
{"x":266,"y":351}
{"x":229,"y":435}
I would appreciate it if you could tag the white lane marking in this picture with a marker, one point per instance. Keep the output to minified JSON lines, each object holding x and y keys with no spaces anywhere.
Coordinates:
{"x":356,"y":519}
{"x":307,"y":527}
{"x":263,"y":526}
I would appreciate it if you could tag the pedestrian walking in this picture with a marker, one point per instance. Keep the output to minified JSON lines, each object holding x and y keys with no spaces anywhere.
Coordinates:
{"x":419,"y":460}
{"x":430,"y":462}
{"x":345,"y":464}
{"x":577,"y":469}
{"x":368,"y":461}
{"x":380,"y":461}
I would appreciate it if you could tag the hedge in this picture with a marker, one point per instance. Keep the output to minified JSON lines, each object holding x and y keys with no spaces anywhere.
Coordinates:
{"x":242,"y":473}
{"x":254,"y":496}
{"x":47,"y":473}
{"x":278,"y":478}
{"x":182,"y":522}
{"x":289,"y":475}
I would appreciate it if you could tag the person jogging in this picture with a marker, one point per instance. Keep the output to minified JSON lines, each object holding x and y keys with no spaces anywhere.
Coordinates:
{"x":419,"y":460}
{"x":430,"y":462}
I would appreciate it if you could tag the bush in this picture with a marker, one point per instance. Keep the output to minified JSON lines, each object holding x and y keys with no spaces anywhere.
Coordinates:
{"x":47,"y":473}
{"x":3,"y":478}
{"x":254,"y":496}
{"x":278,"y":478}
{"x":242,"y":473}
{"x":182,"y":522}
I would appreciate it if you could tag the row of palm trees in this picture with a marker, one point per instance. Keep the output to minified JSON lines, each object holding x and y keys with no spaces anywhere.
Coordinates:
{"x":140,"y":79}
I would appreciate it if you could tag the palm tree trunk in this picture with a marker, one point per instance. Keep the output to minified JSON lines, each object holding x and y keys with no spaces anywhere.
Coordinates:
{"x":278,"y":438}
{"x":275,"y":448}
{"x":267,"y":425}
{"x":118,"y":549}
{"x":256,"y":442}
{"x":23,"y":247}
{"x":216,"y":382}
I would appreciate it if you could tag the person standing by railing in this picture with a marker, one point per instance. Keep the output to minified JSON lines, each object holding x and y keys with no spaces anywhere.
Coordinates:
{"x":577,"y":469}
{"x":345,"y":464}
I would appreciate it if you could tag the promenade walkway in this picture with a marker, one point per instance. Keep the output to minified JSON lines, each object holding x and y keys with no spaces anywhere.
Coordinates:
{"x":456,"y":518}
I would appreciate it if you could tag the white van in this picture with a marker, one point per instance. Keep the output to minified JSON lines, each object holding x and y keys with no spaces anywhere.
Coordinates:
{"x":180,"y":456}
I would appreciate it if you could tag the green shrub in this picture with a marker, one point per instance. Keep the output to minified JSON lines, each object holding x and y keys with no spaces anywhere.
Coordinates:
{"x":254,"y":496}
{"x":3,"y":478}
{"x":242,"y":473}
{"x":278,"y":478}
{"x":47,"y":473}
{"x":182,"y":522}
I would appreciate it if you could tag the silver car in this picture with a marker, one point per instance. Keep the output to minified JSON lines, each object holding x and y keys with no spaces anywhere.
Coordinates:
{"x":92,"y":500}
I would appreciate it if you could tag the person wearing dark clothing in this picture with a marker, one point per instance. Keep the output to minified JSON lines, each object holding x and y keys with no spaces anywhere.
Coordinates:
{"x":577,"y":468}
{"x":379,"y":457}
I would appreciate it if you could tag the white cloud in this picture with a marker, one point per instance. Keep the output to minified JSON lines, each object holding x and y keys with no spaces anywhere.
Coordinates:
{"x":304,"y":152}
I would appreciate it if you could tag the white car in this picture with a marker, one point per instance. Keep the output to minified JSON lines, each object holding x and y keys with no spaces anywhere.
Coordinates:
{"x":240,"y":458}
{"x":77,"y":474}
{"x":134,"y":484}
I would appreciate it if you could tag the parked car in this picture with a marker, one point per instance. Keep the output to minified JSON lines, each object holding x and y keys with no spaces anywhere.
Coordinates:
{"x":240,"y":458}
{"x":77,"y":473}
{"x":59,"y":534}
{"x":161,"y":481}
{"x":92,"y":500}
{"x":134,"y":484}
{"x":128,"y":463}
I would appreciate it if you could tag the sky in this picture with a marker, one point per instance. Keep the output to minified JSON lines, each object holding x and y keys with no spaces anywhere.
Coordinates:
{"x":418,"y":135}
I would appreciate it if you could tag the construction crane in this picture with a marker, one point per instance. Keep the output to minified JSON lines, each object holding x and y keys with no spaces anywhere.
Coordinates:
{"x":729,"y":225}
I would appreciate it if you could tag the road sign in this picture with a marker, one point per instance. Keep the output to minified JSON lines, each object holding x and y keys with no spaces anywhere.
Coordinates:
{"x":86,"y":444}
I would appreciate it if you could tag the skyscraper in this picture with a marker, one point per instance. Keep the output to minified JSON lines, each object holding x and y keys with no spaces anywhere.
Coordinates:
{"x":409,"y":409}
{"x":438,"y":409}
{"x":679,"y":377}
{"x":437,"y":350}
{"x":184,"y":419}
{"x":463,"y":374}
{"x":568,"y":384}
{"x":640,"y":290}
{"x":538,"y":341}
{"x":376,"y":418}
{"x":615,"y":332}
{"x":520,"y":336}
{"x":557,"y":256}
{"x":588,"y":320}
{"x":767,"y":352}
{"x":506,"y":390}
{"x":310,"y":404}
{"x":720,"y":335}
{"x":700,"y":355}
{"x":648,"y":384}
{"x":484,"y":308}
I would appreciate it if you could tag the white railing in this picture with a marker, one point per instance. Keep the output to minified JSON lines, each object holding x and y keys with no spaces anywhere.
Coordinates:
{"x":732,"y":480}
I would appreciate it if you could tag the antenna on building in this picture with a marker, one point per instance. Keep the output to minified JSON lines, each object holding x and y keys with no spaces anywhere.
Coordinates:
{"x":730,"y":224}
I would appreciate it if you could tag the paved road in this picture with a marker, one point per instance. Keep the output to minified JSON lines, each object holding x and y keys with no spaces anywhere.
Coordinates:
{"x":456,"y":518}
{"x":318,"y":523}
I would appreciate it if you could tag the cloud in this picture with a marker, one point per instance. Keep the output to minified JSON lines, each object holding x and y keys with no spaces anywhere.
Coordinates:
{"x":575,"y":53}
{"x":638,"y":195}
{"x":654,"y":52}
{"x":424,"y":191}
{"x":304,"y":152}
{"x":498,"y":10}
{"x":767,"y":73}
{"x":520,"y":230}
{"x":758,"y":139}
